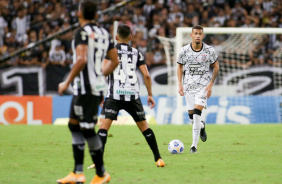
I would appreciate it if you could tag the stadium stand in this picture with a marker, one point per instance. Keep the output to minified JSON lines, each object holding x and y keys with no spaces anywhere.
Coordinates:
{"x":26,"y":21}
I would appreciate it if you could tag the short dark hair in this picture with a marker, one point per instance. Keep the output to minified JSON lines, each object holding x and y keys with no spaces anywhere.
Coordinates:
{"x":198,"y":27}
{"x":124,"y":31}
{"x":88,"y":9}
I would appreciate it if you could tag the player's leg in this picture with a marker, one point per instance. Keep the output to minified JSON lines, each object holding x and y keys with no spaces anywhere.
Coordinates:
{"x":109,"y":113}
{"x":104,"y":127}
{"x":189,"y":98}
{"x":196,"y":127}
{"x":135,"y":109}
{"x":200,"y":103}
{"x":78,"y":144}
{"x":149,"y":135}
{"x":87,"y":125}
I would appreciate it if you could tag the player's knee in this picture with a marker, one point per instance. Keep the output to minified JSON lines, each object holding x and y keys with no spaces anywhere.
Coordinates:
{"x":197,"y":111}
{"x":74,"y":128}
{"x":94,"y":142}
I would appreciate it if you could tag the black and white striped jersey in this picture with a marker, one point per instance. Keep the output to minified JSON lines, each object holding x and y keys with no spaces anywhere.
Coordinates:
{"x":123,"y":83}
{"x":91,"y":79}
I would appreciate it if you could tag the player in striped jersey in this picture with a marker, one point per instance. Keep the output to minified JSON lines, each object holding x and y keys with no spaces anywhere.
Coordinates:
{"x":123,"y":92}
{"x":90,"y":46}
{"x":194,"y":63}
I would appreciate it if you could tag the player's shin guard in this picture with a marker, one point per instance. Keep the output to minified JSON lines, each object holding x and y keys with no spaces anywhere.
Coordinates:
{"x":77,"y":147}
{"x":196,"y":127}
{"x":151,"y":140}
{"x":95,"y":149}
{"x":103,"y":133}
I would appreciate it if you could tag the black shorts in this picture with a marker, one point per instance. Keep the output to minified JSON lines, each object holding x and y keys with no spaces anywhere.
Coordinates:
{"x":134,"y":108}
{"x":84,"y":108}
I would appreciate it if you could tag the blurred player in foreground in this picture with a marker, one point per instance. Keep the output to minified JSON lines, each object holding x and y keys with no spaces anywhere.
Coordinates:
{"x":91,"y":44}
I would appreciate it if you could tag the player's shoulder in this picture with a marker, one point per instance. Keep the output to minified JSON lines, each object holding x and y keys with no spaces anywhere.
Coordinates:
{"x":208,"y":47}
{"x":185,"y":48}
{"x":78,"y":31}
{"x":93,"y":27}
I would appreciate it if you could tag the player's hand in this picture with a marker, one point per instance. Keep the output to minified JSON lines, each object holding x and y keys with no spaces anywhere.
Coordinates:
{"x":151,"y":102}
{"x":180,"y":90}
{"x":62,"y":87}
{"x":209,"y":90}
{"x":102,"y":102}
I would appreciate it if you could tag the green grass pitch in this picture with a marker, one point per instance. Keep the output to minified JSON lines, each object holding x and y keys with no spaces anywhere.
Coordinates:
{"x":232,"y":154}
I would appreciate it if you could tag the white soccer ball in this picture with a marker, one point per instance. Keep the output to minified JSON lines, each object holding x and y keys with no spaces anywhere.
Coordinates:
{"x":176,"y":146}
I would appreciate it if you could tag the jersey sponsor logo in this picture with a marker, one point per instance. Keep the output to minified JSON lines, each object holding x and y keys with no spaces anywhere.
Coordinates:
{"x":140,"y":113}
{"x":127,"y":52}
{"x":110,"y":111}
{"x":124,"y":92}
{"x":194,"y":69}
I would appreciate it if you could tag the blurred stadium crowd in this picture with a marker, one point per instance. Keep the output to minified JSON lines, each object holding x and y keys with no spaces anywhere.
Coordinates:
{"x":26,"y":21}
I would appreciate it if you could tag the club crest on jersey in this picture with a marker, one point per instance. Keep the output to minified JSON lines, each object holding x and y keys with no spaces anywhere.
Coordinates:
{"x":204,"y":57}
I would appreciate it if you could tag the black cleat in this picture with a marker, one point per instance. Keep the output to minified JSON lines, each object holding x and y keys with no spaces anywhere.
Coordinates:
{"x":193,"y":150}
{"x":203,"y":133}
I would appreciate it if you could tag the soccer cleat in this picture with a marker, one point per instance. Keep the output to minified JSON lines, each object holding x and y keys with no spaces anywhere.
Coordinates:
{"x":100,"y":180}
{"x":193,"y":150}
{"x":72,"y":178}
{"x":160,"y":163}
{"x":91,"y":166}
{"x":203,"y":134}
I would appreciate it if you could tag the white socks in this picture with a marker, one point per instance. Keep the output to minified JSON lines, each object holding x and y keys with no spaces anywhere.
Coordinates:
{"x":202,"y":124}
{"x":197,"y":124}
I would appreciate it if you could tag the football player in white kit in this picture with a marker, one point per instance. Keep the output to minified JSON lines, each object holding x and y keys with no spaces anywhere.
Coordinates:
{"x":195,"y":81}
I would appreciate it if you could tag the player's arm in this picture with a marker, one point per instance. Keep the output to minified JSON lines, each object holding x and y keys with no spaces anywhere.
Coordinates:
{"x":112,"y":55}
{"x":148,"y":84}
{"x":215,"y":66}
{"x":109,"y":66}
{"x":179,"y":77}
{"x":181,"y":61}
{"x":81,"y":60}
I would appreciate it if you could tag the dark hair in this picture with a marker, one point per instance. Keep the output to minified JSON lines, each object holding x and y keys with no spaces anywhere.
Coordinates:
{"x":88,"y":9}
{"x":123,"y":31}
{"x":198,"y":27}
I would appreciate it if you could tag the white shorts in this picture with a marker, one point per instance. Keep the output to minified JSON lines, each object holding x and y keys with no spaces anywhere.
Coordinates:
{"x":199,"y":98}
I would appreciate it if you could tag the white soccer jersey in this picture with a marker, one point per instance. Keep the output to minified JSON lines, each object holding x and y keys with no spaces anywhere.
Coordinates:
{"x":196,"y":75}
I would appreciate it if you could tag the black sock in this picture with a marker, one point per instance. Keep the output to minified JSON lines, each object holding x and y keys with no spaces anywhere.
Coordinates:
{"x":78,"y":154}
{"x":191,"y":116}
{"x":103,"y":133}
{"x":151,"y":140}
{"x":97,"y":157}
